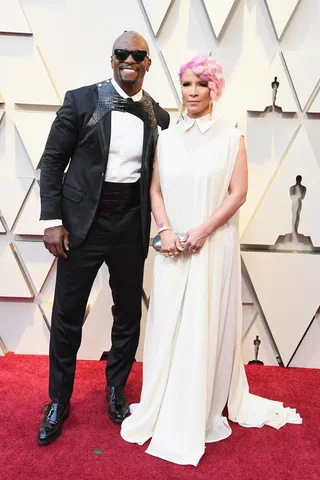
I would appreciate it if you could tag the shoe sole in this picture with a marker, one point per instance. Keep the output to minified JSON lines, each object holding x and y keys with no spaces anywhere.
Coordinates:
{"x":57,"y":434}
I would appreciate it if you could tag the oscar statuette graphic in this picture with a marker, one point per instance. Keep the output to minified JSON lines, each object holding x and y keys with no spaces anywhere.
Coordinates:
{"x":256,"y":344}
{"x":274,"y":85}
{"x":273,"y":107}
{"x":294,"y":240}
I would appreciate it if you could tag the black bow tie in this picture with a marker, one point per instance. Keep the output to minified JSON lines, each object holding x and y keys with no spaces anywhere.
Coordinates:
{"x":130,"y":106}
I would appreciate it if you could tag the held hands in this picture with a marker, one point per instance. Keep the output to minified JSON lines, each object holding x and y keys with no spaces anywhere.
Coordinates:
{"x":170,"y":244}
{"x":194,"y":240}
{"x":56,"y":240}
{"x":190,"y":245}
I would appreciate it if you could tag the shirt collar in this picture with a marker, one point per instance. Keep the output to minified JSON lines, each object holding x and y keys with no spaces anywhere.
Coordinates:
{"x":136,"y":98}
{"x":203,"y":123}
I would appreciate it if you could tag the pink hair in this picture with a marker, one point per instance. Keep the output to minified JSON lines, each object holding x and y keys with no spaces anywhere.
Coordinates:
{"x":207,"y":70}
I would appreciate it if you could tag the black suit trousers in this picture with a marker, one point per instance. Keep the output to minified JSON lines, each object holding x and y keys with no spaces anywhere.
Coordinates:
{"x":114,"y":238}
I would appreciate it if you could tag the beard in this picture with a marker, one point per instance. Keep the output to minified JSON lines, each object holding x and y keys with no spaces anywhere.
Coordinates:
{"x":128,"y":80}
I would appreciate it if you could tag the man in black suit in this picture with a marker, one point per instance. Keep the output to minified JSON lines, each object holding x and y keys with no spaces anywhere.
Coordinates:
{"x":99,"y":211}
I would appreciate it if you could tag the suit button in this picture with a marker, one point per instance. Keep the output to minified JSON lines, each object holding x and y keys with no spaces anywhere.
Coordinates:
{"x":102,"y":174}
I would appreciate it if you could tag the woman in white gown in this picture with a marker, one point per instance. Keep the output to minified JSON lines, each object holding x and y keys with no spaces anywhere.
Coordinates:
{"x":192,"y":361}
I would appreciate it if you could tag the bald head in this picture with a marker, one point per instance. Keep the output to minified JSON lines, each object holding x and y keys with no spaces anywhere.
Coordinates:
{"x":126,"y":39}
{"x":131,"y":61}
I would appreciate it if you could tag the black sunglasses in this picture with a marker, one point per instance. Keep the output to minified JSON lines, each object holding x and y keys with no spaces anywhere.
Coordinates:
{"x":137,"y":55}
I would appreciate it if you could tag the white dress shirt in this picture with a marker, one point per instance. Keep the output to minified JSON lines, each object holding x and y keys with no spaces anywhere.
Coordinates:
{"x":125,"y":152}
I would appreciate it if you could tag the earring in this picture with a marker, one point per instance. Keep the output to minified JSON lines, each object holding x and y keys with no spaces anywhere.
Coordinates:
{"x":210,"y":109}
{"x":182,"y":109}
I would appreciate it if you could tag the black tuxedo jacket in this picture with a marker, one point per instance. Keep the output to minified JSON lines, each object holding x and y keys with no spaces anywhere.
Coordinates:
{"x":74,"y":197}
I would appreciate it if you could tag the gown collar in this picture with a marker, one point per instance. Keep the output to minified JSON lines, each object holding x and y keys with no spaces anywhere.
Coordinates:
{"x":203,"y":123}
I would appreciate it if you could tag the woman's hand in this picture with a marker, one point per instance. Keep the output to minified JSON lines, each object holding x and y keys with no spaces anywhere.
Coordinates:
{"x":194,"y":240}
{"x":170,"y":244}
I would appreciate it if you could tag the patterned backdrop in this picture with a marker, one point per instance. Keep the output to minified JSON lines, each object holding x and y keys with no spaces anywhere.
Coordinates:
{"x":50,"y":46}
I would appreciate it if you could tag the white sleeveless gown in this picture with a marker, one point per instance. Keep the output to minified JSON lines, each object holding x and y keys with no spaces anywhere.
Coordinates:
{"x":192,"y":360}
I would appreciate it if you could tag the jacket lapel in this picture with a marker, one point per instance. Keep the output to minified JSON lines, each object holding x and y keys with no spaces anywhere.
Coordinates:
{"x":102,"y":119}
{"x":149,"y":141}
{"x":104,"y":133}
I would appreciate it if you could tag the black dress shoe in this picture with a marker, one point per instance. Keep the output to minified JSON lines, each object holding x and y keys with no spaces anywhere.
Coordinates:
{"x":118,"y":406}
{"x":51,"y":424}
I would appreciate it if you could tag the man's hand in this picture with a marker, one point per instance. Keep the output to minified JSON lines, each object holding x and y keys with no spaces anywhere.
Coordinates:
{"x":56,"y":240}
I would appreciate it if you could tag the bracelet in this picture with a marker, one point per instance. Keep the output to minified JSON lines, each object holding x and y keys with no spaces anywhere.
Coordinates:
{"x":163,"y":229}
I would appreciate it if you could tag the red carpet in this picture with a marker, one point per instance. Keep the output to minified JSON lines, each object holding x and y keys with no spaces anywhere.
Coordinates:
{"x":292,"y":453}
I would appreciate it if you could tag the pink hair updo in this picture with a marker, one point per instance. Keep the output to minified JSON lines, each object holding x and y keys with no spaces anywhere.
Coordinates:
{"x":207,"y":70}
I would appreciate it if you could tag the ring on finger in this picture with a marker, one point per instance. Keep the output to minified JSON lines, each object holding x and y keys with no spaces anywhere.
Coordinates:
{"x":194,"y":250}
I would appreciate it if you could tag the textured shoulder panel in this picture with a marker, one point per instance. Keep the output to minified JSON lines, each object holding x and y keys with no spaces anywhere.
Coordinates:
{"x":109,"y":99}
